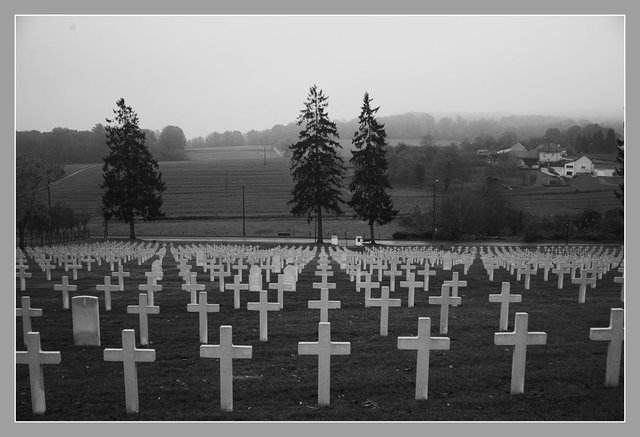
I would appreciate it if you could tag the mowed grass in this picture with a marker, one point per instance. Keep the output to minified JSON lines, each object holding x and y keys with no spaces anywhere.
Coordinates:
{"x":469,"y":382}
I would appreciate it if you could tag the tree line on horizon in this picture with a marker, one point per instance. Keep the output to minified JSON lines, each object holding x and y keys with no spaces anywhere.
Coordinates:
{"x":68,"y":146}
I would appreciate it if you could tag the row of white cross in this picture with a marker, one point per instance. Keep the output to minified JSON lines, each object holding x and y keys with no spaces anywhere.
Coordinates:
{"x":324,"y":348}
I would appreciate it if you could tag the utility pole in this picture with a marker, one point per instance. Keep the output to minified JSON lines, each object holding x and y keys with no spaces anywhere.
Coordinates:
{"x":433,"y":222}
{"x":243,"y":228}
{"x":265,"y":155}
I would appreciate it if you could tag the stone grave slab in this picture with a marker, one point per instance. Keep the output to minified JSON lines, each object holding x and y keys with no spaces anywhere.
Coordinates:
{"x":86,"y":320}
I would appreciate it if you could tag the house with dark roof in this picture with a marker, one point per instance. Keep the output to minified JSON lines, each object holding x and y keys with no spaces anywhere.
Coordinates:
{"x":517,"y":147}
{"x":570,"y":167}
{"x":549,"y":152}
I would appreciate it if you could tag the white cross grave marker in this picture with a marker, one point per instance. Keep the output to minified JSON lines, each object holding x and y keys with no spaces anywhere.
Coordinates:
{"x":240,"y":267}
{"x":547,"y":264}
{"x":35,"y":357}
{"x":47,"y":267}
{"x":614,"y":334}
{"x":26,"y":312}
{"x":426,"y":273}
{"x":323,"y":269}
{"x":454,"y":283}
{"x":130,"y":356}
{"x":505,"y":297}
{"x":193,"y":287}
{"x":324,"y":348}
{"x":367,"y":285}
{"x":203,"y":309}
{"x":226,"y":351}
{"x":520,"y":339}
{"x":221,"y":274}
{"x":150,"y":287}
{"x":392,"y":273}
{"x":423,"y":343}
{"x":324,"y":304}
{"x":236,"y":287}
{"x":88,"y":259}
{"x":263,"y":307}
{"x":560,"y":271}
{"x":583,"y":280}
{"x":121,"y":274}
{"x":281,"y":286}
{"x":143,"y":309}
{"x":107,"y":288}
{"x":444,"y":300}
{"x":23,"y":275}
{"x":384,"y":303}
{"x":527,"y":271}
{"x":411,"y":284}
{"x":324,"y":284}
{"x":620,"y":280}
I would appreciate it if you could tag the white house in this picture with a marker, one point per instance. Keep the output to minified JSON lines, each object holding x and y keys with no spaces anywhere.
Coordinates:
{"x":573,"y":167}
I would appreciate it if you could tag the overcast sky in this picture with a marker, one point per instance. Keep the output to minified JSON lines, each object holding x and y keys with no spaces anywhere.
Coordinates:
{"x":217,"y":73}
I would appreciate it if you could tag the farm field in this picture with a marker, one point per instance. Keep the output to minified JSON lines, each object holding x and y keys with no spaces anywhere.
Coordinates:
{"x":468,"y":382}
{"x":209,"y":193}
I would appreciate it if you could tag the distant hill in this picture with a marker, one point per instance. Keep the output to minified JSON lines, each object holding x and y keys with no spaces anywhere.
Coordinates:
{"x":70,"y":146}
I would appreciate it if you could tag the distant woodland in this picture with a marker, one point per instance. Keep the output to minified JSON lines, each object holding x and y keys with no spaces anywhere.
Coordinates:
{"x":67,"y":146}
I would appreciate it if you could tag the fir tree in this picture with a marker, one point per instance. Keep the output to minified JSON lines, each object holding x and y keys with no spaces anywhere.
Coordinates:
{"x":620,"y":169}
{"x":610,"y":140}
{"x":132,"y":184}
{"x":369,"y":200}
{"x":316,"y":167}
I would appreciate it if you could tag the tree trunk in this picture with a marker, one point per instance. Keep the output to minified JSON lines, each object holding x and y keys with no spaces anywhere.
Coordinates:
{"x":373,"y":237}
{"x":132,"y":232}
{"x":320,"y":239}
{"x":21,"y":230}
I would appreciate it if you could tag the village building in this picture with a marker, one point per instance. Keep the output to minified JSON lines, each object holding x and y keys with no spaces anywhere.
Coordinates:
{"x":570,"y":167}
{"x":549,"y":153}
{"x":517,"y":147}
{"x":551,"y":159}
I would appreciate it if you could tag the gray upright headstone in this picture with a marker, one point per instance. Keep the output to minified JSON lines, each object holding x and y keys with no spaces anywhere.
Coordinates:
{"x":290,"y":275}
{"x":255,"y":278}
{"x":86,"y":321}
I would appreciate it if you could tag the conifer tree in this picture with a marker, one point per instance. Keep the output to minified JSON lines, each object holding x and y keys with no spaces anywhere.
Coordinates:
{"x":316,"y":167}
{"x":370,"y":200}
{"x":620,"y":169}
{"x":132,"y":183}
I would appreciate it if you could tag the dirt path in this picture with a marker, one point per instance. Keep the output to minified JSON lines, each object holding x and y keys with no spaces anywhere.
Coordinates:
{"x":73,"y":174}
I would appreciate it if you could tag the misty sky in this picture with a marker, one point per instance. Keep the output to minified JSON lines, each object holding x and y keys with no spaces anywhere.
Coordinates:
{"x":217,"y":73}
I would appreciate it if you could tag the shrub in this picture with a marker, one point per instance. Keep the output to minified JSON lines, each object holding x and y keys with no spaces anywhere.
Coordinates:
{"x":532,"y":232}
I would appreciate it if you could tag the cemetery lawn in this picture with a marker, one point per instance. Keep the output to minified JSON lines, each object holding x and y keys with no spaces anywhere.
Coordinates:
{"x":564,"y":379}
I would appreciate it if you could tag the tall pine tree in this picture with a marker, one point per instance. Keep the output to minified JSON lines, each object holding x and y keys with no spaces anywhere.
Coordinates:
{"x":370,"y":200}
{"x":620,"y":169}
{"x":316,"y":167}
{"x":132,"y":183}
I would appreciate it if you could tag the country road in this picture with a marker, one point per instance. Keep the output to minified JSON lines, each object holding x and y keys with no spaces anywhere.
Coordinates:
{"x":73,"y":174}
